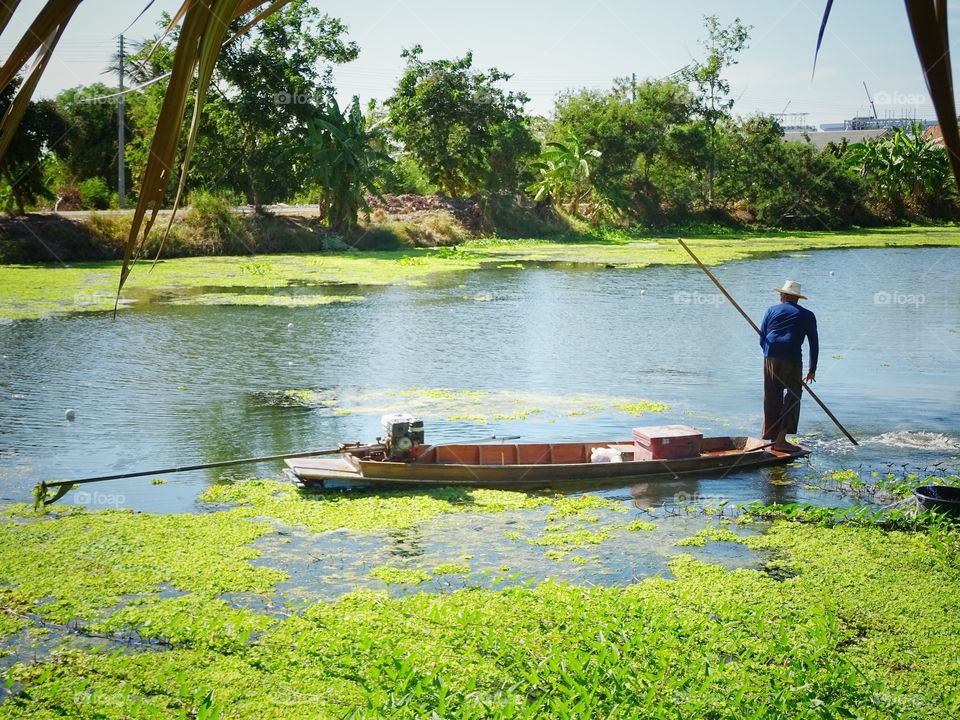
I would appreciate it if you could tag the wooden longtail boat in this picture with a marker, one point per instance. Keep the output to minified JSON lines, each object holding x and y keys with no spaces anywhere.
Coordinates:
{"x":530,"y":465}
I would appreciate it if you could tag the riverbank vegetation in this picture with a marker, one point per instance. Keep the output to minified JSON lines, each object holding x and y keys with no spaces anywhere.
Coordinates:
{"x":649,"y":153}
{"x":320,"y":278}
{"x":139,"y":615}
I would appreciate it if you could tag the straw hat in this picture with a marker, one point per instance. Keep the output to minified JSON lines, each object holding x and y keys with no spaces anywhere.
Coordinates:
{"x":791,"y":287}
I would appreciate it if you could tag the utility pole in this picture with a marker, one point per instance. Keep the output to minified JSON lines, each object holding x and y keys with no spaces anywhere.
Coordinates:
{"x":633,"y":87}
{"x":121,"y":140}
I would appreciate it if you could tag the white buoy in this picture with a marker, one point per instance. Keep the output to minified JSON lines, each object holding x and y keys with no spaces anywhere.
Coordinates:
{"x":643,"y":292}
{"x":289,"y":326}
{"x":70,"y":414}
{"x":831,"y":273}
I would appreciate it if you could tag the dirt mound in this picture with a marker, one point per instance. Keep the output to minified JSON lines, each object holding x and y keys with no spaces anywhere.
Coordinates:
{"x":468,"y":212}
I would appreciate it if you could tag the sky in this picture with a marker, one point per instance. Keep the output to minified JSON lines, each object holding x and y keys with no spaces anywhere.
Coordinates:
{"x":550,"y":47}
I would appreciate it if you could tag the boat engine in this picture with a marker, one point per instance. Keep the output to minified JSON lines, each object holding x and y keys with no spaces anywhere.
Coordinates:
{"x":403,"y":433}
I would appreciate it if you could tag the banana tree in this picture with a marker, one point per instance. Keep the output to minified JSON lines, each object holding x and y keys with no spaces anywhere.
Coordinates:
{"x":346,"y":161}
{"x":905,"y":169}
{"x":563,"y":173}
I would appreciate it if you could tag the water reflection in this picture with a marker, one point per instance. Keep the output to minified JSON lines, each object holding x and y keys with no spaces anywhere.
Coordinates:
{"x":405,"y":543}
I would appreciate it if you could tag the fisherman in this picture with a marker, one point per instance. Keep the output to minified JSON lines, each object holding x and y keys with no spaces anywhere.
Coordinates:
{"x":782,"y":332}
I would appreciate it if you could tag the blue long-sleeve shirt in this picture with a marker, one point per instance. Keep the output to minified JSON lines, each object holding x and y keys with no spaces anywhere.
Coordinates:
{"x":782,"y":332}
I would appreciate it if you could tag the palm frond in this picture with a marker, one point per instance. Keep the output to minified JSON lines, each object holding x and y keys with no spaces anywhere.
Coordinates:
{"x":41,"y":49}
{"x":823,"y":28}
{"x":928,"y":23}
{"x":249,"y":5}
{"x":221,"y":15}
{"x":6,"y":12}
{"x":204,"y":27}
{"x":53,"y":15}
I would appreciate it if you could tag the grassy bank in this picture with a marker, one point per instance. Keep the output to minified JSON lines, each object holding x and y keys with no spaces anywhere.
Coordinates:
{"x":838,"y":622}
{"x":210,"y":226}
{"x":34,"y":291}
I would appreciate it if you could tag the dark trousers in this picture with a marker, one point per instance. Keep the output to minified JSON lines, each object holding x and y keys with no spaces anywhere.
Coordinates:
{"x":782,"y":386}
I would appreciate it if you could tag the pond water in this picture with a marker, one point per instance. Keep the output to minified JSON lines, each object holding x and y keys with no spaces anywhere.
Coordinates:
{"x":169,"y":384}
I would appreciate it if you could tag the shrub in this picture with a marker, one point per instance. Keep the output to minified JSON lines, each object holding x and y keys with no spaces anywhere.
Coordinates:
{"x":211,"y":225}
{"x":95,"y":194}
{"x":405,"y":176}
{"x":432,"y":230}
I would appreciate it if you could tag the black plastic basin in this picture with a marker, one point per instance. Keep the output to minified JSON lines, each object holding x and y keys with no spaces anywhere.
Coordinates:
{"x":942,"y":498}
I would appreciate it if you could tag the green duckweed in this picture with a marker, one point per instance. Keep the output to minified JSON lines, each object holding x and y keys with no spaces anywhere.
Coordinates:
{"x":369,"y":512}
{"x":844,"y":621}
{"x":717,"y":534}
{"x":79,"y":564}
{"x":277,"y":299}
{"x":33,"y":291}
{"x":828,"y":642}
{"x":641,"y":408}
{"x":393,"y":575}
{"x":454,"y":405}
{"x":190,"y":619}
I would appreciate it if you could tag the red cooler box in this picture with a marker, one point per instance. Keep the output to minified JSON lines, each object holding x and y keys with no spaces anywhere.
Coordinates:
{"x":666,"y":442}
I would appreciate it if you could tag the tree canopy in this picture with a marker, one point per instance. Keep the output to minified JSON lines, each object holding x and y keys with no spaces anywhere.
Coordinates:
{"x":468,"y":134}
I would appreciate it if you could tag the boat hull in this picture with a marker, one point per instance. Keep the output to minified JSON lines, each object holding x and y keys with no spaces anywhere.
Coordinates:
{"x":446,"y":468}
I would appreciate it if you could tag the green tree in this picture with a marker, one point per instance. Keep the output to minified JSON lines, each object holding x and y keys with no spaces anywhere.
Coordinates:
{"x":89,"y":148}
{"x":626,"y":124}
{"x":22,"y":168}
{"x":403,"y":174}
{"x":269,"y":86}
{"x":346,"y":159}
{"x":466,"y":132}
{"x":679,"y":170}
{"x":266,"y":88}
{"x":711,"y":90}
{"x":629,"y":126}
{"x":784,"y":184}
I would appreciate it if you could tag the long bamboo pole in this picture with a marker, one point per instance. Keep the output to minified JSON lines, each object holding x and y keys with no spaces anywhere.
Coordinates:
{"x":63,"y":486}
{"x":754,"y":326}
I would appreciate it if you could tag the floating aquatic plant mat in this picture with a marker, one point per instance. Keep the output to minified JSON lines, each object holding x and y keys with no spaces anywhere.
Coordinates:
{"x":34,"y":291}
{"x":837,"y":621}
{"x":277,"y":299}
{"x":478,"y":406}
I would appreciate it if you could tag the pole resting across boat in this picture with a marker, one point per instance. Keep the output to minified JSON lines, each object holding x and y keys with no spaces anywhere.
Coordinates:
{"x":41,"y":493}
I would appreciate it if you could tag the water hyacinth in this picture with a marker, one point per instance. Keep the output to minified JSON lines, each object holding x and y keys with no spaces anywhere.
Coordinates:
{"x":817,"y":630}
